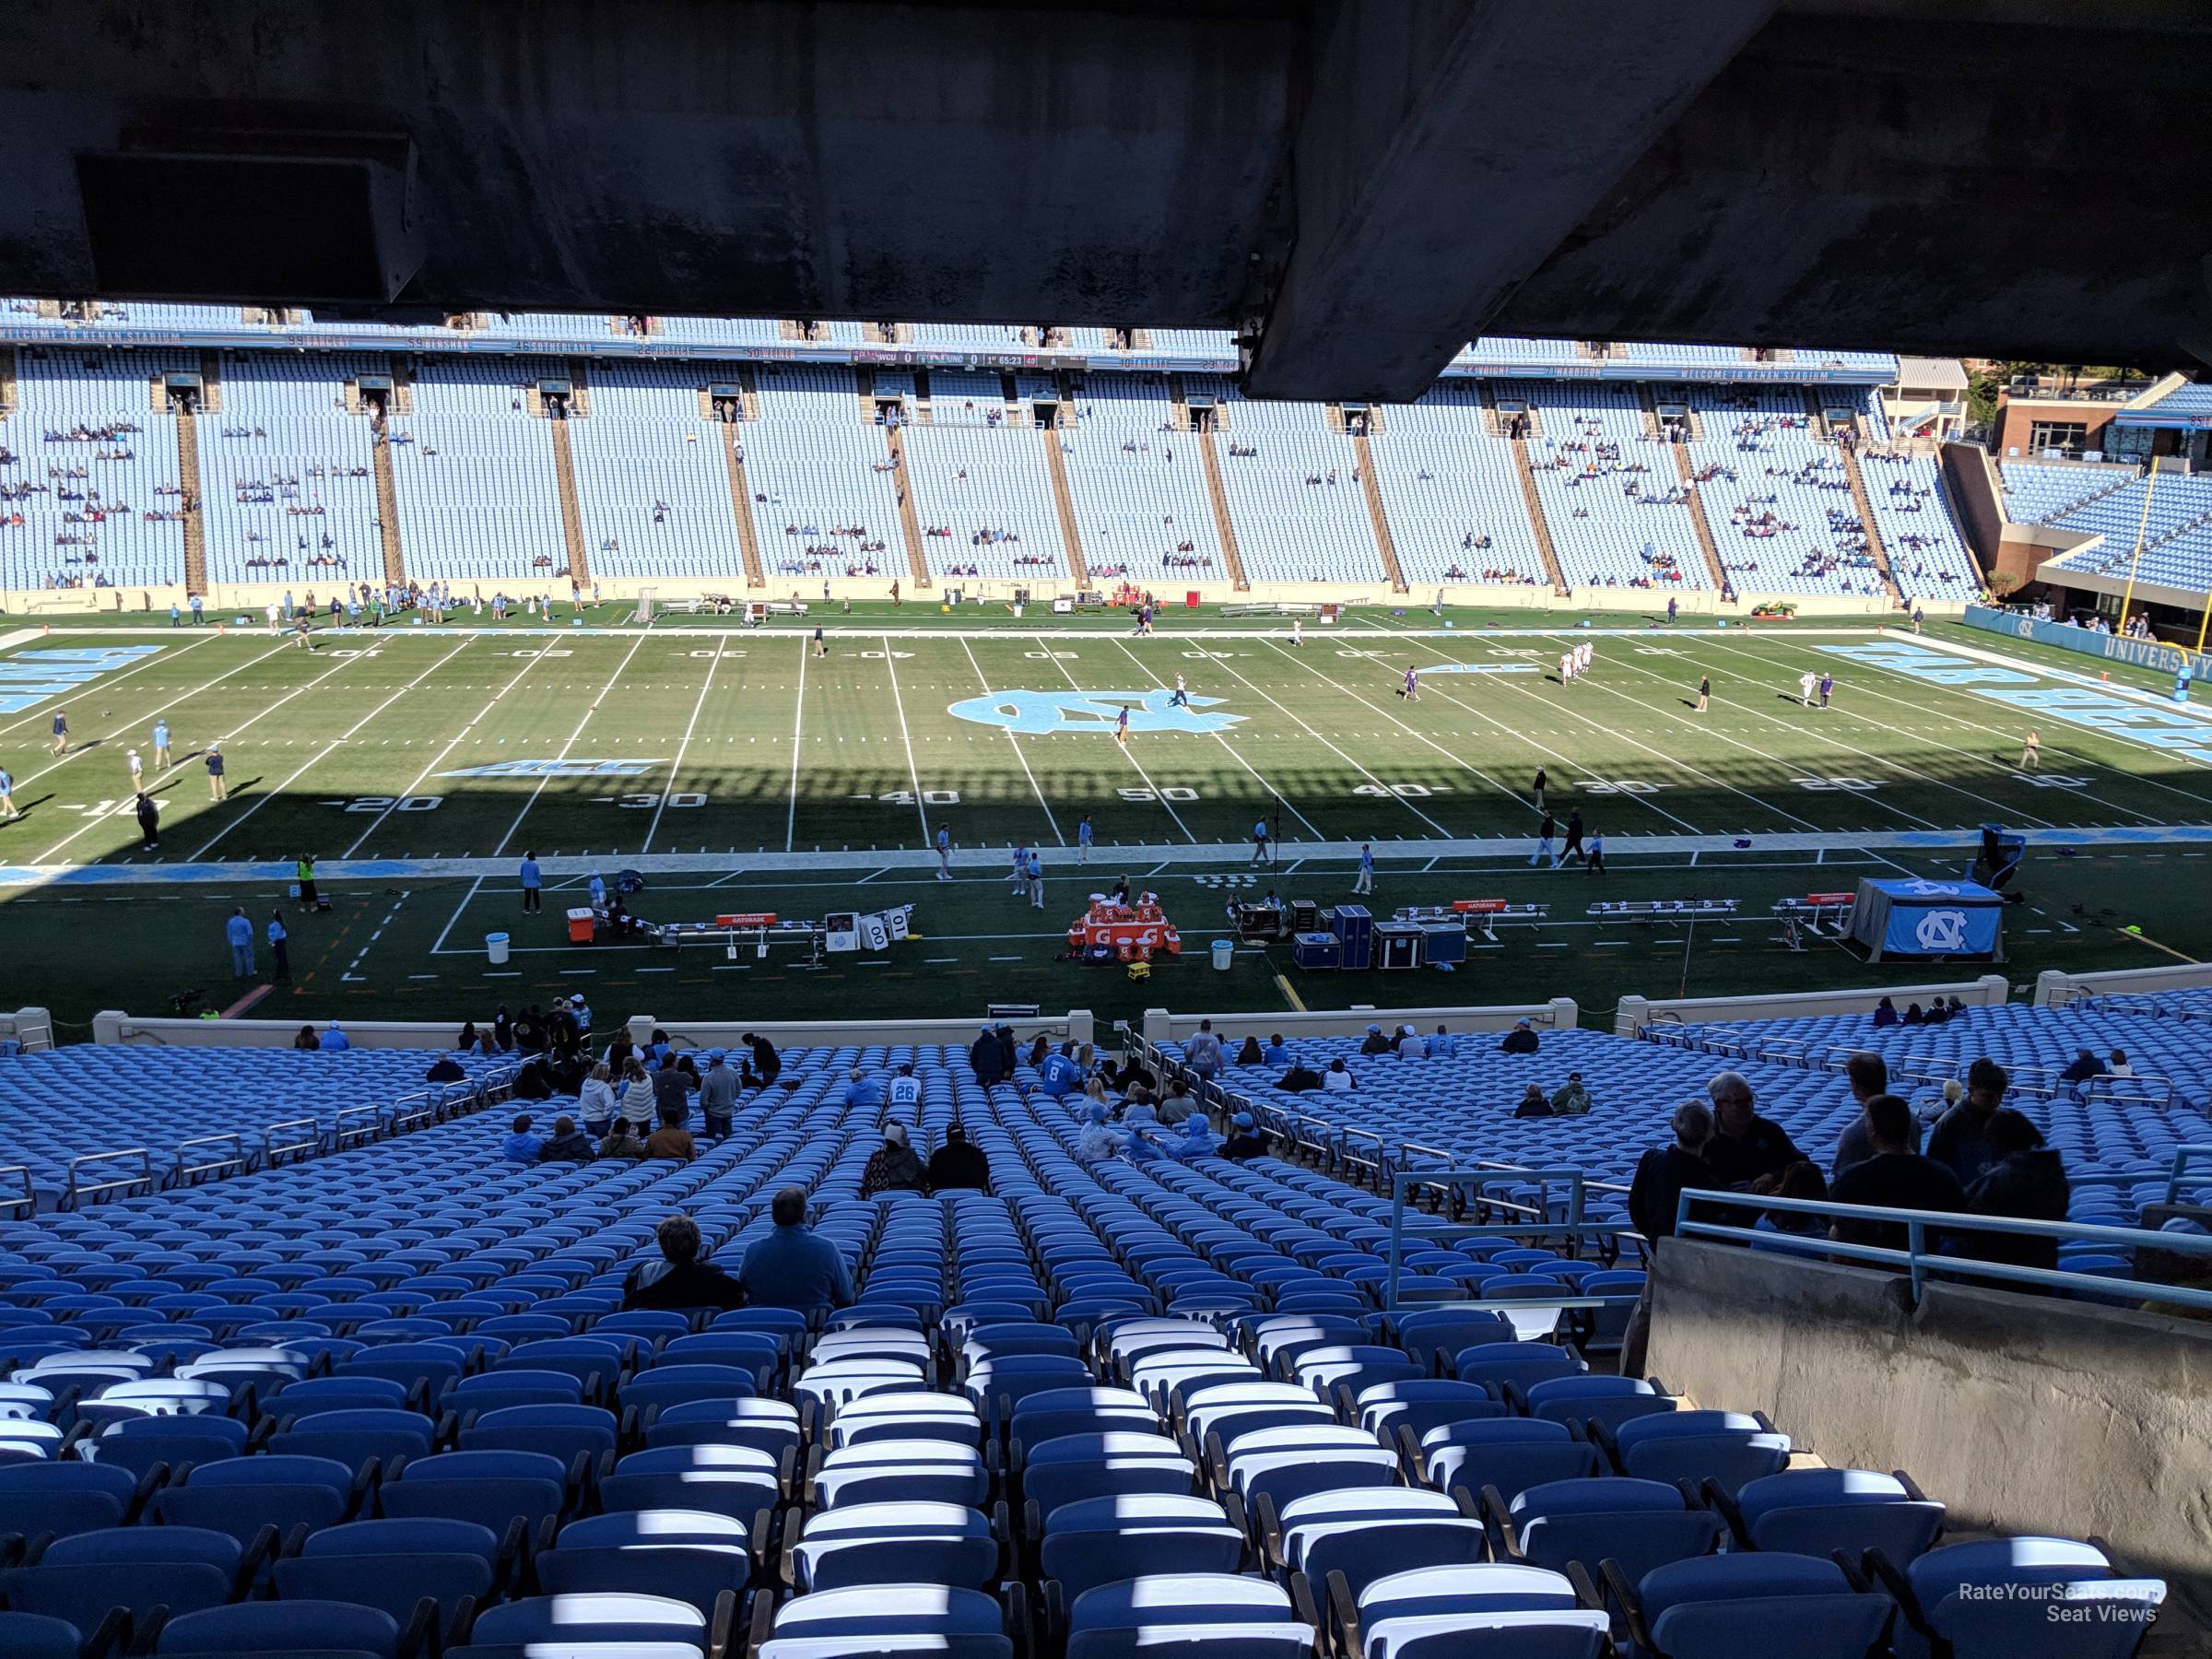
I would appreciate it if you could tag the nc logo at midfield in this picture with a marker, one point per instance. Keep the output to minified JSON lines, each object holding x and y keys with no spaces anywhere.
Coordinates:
{"x":1042,"y":713}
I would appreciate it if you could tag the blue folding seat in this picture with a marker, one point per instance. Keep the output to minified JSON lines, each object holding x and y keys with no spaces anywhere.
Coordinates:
{"x":336,"y":1393}
{"x":1717,"y":1606}
{"x":1351,"y":1367}
{"x":1369,"y":1533}
{"x":241,"y":1495}
{"x":1445,"y":1612}
{"x":153,"y":1396}
{"x":83,"y":1578}
{"x":895,"y":1621}
{"x":769,"y":1426}
{"x":39,"y":1636}
{"x":737,"y":1481}
{"x":25,"y":1402}
{"x":357,"y":1439}
{"x":1194,"y":1615}
{"x":392,"y":1565}
{"x":1495,"y":1364}
{"x":1415,"y":1407}
{"x":138,"y":1444}
{"x":1610,"y":1401}
{"x":287,"y":1627}
{"x":1993,"y":1597}
{"x":758,"y":1353}
{"x":491,"y":1488}
{"x":915,"y":1415}
{"x":1727,"y":1448}
{"x":1071,"y":1467}
{"x":896,"y":1543}
{"x":1105,"y":1540}
{"x":1817,"y":1512}
{"x":665,"y":1385}
{"x":929,"y":1471}
{"x":65,"y":1498}
{"x":560,"y":1431}
{"x":491,"y":1391}
{"x":1639,"y":1524}
{"x":1054,"y":1412}
{"x":597,"y":1362}
{"x":431,"y":1365}
{"x":689,"y":1554}
{"x":616,"y":1621}
{"x":1508,"y":1454}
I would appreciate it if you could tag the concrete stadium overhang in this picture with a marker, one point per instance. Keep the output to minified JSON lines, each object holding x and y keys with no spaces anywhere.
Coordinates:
{"x":1357,"y":188}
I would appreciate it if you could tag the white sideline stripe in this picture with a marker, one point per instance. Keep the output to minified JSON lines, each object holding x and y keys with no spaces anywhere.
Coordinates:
{"x":1508,"y":851}
{"x":325,"y":752}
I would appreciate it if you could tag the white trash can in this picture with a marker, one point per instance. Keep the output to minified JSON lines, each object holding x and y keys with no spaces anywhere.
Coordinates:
{"x":1225,"y":951}
{"x":495,"y":947}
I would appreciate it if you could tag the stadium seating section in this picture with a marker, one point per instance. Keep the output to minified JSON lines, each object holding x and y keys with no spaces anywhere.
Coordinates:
{"x":386,"y":1401}
{"x":287,"y":464}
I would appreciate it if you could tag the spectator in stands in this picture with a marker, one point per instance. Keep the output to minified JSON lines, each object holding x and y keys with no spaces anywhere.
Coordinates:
{"x":1868,"y":1075}
{"x":1799,"y":1180}
{"x":2084,"y":1066}
{"x":905,"y":1090}
{"x":444,"y":1069}
{"x":1179,"y":1104}
{"x":1060,"y":1074}
{"x":1202,"y":1053}
{"x":1443,"y":1045}
{"x":672,"y":1139}
{"x":1338,"y":1078}
{"x":1299,"y":1078}
{"x":1894,"y":1178}
{"x":502,"y":1030}
{"x":767,"y":1065}
{"x":2116,"y":1064}
{"x":1747,"y":1150}
{"x":636,"y":1094}
{"x":959,"y":1165}
{"x":1143,"y":1142}
{"x":1521,"y":1039}
{"x":1532,"y":1104}
{"x":672,"y":1087}
{"x":1244,"y":1139}
{"x":306,"y":1041}
{"x":622,"y":1142}
{"x":1197,"y":1139}
{"x":1885,"y":1014}
{"x":521,"y":1145}
{"x":1571,"y":1098}
{"x":987,"y":1057}
{"x":332,"y":1040}
{"x":569,"y":1145}
{"x":1099,"y":1140}
{"x":1375,"y":1042}
{"x":1410,"y":1044}
{"x":895,"y":1167}
{"x":718,"y":1094}
{"x":1248,"y":1052}
{"x":679,"y":1280}
{"x":2027,"y":1182}
{"x":1276,"y":1053}
{"x":1654,"y":1196}
{"x":791,"y":1267}
{"x":1961,"y":1139}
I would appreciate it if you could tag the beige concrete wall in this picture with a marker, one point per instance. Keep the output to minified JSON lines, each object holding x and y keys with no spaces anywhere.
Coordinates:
{"x":2023,"y":1414}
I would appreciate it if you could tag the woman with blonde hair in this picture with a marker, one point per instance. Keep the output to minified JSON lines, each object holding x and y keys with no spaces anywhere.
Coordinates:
{"x":595,"y":1101}
{"x":637,"y":1095}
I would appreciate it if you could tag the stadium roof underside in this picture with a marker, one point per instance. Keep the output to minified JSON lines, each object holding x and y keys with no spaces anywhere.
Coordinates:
{"x":1360,"y":188}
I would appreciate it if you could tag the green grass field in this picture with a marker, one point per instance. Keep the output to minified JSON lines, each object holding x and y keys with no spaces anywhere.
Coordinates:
{"x":741,"y":772}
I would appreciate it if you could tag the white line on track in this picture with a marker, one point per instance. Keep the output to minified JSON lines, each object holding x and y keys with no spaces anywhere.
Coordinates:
{"x":890,"y":661}
{"x":676,"y":766}
{"x":440,"y":945}
{"x":439,"y":759}
{"x":798,"y":721}
{"x":613,"y":680}
{"x":324,"y":753}
{"x":1229,"y":749}
{"x":1157,"y":796}
{"x":254,"y":719}
{"x":1026,"y":772}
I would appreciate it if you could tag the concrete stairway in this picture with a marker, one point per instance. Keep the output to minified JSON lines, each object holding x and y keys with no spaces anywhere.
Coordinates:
{"x":387,"y":502}
{"x":741,"y":503}
{"x":195,"y":529}
{"x":1227,"y":530}
{"x":1064,"y":504}
{"x":1544,"y":545}
{"x":1698,"y":520}
{"x":1874,"y":533}
{"x":909,"y":522}
{"x":1373,"y":490}
{"x":571,"y":515}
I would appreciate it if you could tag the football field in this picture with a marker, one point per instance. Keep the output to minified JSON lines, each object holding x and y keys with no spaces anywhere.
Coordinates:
{"x":751,"y":769}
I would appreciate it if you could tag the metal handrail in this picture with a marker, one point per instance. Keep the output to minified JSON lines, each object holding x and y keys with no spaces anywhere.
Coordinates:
{"x":80,"y":1190}
{"x":2183,"y":1157}
{"x":1402,"y":1182}
{"x":188,"y":1171}
{"x":29,"y":1203}
{"x":1919,"y":1262}
{"x":359,"y":1133}
{"x":272,"y":1152}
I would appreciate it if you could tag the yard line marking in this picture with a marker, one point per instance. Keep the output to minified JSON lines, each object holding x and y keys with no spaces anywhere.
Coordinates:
{"x":439,"y":945}
{"x":1158,"y":797}
{"x":1231,"y":750}
{"x":913,"y":775}
{"x":438,"y":759}
{"x":612,"y":681}
{"x":798,"y":719}
{"x":1026,"y":772}
{"x":263,"y":800}
{"x":177,"y":769}
{"x":676,"y":766}
{"x":106,"y":737}
{"x":46,"y":712}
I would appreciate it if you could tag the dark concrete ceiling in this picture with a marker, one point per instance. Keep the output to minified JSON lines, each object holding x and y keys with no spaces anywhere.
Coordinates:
{"x":1358,"y":185}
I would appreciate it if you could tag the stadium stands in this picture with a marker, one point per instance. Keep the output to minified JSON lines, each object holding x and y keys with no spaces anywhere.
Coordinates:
{"x":287,"y":474}
{"x":1294,"y":495}
{"x":1926,"y":552}
{"x":653,"y":489}
{"x":825,"y":500}
{"x":387,"y":1401}
{"x":1609,"y":492}
{"x":1776,"y":496}
{"x":1141,"y":516}
{"x":1453,"y":505}
{"x":2176,"y":530}
{"x":979,"y":485}
{"x":478,"y":498}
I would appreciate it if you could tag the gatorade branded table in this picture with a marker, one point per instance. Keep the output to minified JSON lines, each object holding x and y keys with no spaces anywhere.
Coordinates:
{"x":1132,"y":933}
{"x":1918,"y":918}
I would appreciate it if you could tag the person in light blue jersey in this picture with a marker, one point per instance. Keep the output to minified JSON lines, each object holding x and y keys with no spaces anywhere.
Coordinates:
{"x":1083,"y":841}
{"x":239,"y":930}
{"x":944,"y":854}
{"x":1366,"y":882}
{"x":533,"y":884}
{"x":161,"y":760}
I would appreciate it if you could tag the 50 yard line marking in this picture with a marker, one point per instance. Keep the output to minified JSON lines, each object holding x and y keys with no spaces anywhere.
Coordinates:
{"x":1230,"y":749}
{"x":612,"y":681}
{"x":676,"y":766}
{"x":890,"y":661}
{"x":438,"y":759}
{"x":324,"y":753}
{"x":1026,"y":772}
